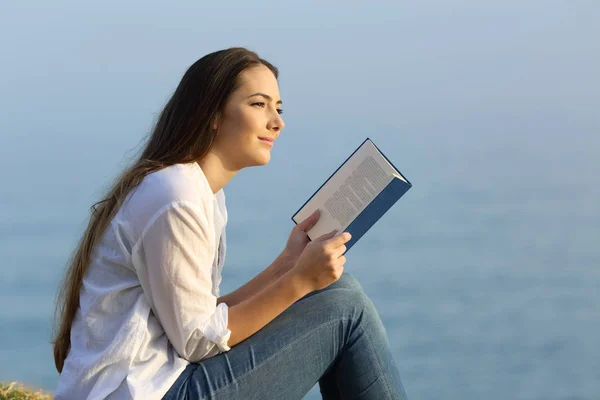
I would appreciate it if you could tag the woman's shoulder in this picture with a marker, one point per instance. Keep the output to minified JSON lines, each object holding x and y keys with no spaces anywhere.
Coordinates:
{"x":159,"y":190}
{"x":177,"y":182}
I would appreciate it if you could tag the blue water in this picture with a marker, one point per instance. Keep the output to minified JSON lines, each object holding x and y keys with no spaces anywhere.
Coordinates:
{"x":486,"y":273}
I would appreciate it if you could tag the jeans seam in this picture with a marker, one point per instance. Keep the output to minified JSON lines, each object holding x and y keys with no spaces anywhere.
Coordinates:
{"x":236,"y":379}
{"x":387,"y":386}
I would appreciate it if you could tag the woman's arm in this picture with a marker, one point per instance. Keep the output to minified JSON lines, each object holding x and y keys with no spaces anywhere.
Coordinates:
{"x":318,"y":266}
{"x":296,"y":243}
{"x":173,"y":260}
{"x":249,"y":316}
{"x":272,"y":273}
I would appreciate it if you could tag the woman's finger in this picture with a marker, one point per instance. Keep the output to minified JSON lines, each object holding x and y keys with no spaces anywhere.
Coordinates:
{"x":339,"y":251}
{"x":310,"y":221}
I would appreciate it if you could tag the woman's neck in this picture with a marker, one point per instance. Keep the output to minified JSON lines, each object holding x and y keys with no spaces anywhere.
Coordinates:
{"x":215,"y":171}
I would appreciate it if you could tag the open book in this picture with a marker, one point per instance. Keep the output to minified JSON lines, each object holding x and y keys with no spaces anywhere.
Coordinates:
{"x":356,"y":195}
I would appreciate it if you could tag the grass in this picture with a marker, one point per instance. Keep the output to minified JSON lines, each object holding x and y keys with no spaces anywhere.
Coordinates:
{"x":16,"y":391}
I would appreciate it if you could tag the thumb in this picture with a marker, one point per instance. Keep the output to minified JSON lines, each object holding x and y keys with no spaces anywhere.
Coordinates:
{"x":310,"y":221}
{"x":326,"y":236}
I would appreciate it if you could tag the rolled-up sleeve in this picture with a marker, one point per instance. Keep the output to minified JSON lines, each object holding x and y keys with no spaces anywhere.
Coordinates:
{"x":173,"y":260}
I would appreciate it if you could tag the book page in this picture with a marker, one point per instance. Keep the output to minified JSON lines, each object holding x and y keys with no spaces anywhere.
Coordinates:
{"x":349,"y":191}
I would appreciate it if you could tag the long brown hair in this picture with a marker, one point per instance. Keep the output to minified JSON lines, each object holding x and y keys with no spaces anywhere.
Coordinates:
{"x":183,"y":133}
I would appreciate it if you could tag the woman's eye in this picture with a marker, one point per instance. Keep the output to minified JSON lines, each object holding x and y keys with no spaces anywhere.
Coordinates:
{"x":262,"y":104}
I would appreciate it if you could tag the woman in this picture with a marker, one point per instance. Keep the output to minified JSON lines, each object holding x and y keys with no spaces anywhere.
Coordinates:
{"x":140,"y":312}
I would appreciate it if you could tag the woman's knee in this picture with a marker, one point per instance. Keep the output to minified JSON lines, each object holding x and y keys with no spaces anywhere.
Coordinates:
{"x":346,"y":303}
{"x":349,"y":301}
{"x":346,"y":281}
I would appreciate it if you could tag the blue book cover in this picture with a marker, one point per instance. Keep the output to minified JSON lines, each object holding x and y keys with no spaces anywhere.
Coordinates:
{"x":356,"y":195}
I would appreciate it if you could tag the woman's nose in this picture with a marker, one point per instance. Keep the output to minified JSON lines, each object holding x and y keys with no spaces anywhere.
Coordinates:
{"x":276,"y":123}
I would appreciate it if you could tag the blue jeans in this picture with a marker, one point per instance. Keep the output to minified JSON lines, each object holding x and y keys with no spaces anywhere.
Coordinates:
{"x":333,"y":336}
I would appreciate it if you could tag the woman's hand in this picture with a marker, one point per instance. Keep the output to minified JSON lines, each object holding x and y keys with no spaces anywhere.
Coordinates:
{"x":322,"y":262}
{"x":299,"y":239}
{"x":285,"y":262}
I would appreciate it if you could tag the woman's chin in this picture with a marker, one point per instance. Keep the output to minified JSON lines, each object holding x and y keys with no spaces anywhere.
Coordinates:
{"x":256,"y":158}
{"x":264,"y":161}
{"x":258,"y":162}
{"x":263,"y":158}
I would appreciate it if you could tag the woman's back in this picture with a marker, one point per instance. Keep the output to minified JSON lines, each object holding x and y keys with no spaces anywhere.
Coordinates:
{"x":118,"y":346}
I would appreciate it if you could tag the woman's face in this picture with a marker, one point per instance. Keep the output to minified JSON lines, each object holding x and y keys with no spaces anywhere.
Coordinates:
{"x":250,"y":122}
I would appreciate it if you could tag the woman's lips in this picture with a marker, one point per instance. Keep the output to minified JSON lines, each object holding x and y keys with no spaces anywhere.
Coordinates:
{"x":266,"y":140}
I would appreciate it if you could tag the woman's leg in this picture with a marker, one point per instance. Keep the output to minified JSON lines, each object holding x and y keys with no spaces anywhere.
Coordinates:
{"x":327,"y":384}
{"x":331,"y":383}
{"x":333,"y":333}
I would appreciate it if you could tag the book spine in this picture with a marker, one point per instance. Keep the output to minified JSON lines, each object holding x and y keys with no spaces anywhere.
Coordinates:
{"x":375,"y":210}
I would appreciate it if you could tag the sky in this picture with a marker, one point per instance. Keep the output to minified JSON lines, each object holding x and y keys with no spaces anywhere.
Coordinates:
{"x":82,"y":83}
{"x":97,"y":74}
{"x":357,"y":62}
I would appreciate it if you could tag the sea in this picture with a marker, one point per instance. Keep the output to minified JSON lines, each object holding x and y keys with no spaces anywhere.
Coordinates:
{"x":486,"y":274}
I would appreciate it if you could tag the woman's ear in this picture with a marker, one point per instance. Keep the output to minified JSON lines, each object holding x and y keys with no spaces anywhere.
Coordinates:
{"x":215,"y":123}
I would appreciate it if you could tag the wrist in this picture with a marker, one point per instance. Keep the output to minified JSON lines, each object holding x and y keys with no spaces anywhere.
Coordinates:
{"x":286,"y":255}
{"x":284,"y":262}
{"x":296,"y":284}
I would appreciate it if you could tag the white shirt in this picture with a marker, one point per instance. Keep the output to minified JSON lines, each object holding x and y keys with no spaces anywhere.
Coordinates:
{"x":148,"y":302}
